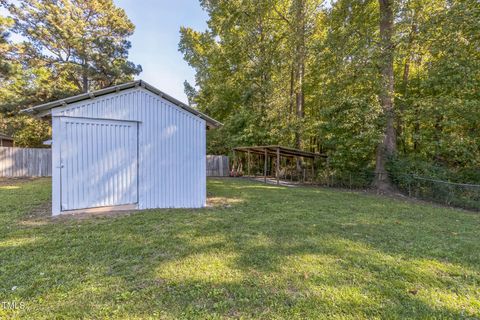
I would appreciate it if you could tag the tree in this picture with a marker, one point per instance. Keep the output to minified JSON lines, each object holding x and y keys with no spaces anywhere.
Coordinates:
{"x":298,"y":64}
{"x":388,"y":146}
{"x":84,"y":41}
{"x":4,"y":47}
{"x":68,"y":47}
{"x":367,"y":82}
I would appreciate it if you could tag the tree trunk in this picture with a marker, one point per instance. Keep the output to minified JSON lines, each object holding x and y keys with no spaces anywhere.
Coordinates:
{"x":300,"y":101}
{"x":85,"y":78}
{"x":405,"y":80}
{"x":292,"y":89}
{"x":263,"y":68}
{"x":416,"y":131}
{"x":388,"y":145}
{"x":437,"y":137}
{"x":402,"y":106}
{"x":299,"y":56}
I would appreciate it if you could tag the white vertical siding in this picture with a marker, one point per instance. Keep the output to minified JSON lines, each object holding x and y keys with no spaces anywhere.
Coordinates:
{"x":99,"y":160}
{"x":171,"y":145}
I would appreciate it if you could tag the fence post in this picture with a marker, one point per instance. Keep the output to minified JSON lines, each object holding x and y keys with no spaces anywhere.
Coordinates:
{"x":450,"y":197}
{"x":410,"y":187}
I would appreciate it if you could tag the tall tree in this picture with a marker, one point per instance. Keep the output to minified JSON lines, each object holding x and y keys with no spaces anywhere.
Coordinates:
{"x":84,"y":40}
{"x":4,"y":47}
{"x":388,"y":145}
{"x":67,"y":47}
{"x":352,"y":79}
{"x":298,"y":63}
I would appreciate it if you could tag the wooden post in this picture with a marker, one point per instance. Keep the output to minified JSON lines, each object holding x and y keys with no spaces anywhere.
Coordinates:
{"x":248,"y":163}
{"x":328,"y":172}
{"x":313,"y":169}
{"x":296,"y":168}
{"x":278,"y":166}
{"x":234,"y":163}
{"x":265,"y":167}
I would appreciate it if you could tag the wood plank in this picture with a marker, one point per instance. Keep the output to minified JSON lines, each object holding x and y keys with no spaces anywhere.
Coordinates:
{"x":25,"y":162}
{"x":217,"y":166}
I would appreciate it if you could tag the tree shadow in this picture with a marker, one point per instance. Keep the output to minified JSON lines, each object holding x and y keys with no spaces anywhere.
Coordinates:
{"x":277,"y":253}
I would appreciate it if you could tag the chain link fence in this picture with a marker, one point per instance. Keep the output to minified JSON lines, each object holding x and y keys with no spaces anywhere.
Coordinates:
{"x":448,"y":193}
{"x":461,"y":195}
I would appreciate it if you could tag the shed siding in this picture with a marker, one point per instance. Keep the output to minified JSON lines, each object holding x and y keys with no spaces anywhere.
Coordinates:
{"x":172,"y":145}
{"x":99,"y":160}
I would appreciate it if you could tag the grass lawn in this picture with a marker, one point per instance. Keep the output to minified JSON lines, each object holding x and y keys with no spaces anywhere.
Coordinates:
{"x":259,"y":252}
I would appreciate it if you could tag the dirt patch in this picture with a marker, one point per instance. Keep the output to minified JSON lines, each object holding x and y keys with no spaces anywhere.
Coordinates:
{"x":213,"y":202}
{"x":92,"y":215}
{"x":43,"y":216}
{"x":42,"y":211}
{"x":11,"y":181}
{"x":39,"y":215}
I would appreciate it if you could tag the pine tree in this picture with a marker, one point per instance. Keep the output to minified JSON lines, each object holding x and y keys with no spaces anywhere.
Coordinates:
{"x":83,"y":40}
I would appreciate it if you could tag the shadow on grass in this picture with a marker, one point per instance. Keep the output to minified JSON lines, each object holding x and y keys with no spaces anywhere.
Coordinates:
{"x":272,"y":253}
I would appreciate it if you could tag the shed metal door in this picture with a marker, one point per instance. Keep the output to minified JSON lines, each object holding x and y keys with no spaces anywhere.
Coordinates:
{"x":99,"y":161}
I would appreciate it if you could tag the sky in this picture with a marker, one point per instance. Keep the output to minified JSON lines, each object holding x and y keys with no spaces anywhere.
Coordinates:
{"x":156,"y":37}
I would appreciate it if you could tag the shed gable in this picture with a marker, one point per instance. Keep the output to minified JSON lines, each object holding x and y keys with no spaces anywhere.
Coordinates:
{"x":124,"y":105}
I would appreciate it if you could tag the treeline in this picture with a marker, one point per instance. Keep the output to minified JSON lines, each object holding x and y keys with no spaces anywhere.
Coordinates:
{"x":62,"y":48}
{"x":368,"y":82}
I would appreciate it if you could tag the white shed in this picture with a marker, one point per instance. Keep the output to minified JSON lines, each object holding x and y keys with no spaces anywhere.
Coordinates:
{"x":128,"y":146}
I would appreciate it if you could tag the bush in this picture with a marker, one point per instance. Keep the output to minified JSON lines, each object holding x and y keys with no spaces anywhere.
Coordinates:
{"x":434,"y":182}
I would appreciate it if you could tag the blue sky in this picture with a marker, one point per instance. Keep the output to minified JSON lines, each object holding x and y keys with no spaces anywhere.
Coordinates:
{"x":155,"y":42}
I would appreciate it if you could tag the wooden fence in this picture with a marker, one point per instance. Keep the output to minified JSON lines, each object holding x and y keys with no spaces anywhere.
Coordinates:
{"x":25,"y":162}
{"x":217,"y":166}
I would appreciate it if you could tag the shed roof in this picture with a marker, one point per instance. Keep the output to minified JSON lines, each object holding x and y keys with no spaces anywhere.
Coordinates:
{"x":283,"y":151}
{"x":44,"y":109}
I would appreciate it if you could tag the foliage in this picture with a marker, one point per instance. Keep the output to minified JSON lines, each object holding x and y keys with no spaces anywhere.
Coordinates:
{"x":5,"y":64}
{"x":258,"y":252}
{"x":247,"y":75}
{"x":83,"y":40}
{"x":434,"y":182}
{"x":66,"y":47}
{"x":420,"y":167}
{"x":26,"y":131}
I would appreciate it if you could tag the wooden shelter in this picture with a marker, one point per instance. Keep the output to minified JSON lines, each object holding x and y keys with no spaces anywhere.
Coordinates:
{"x":277,"y":152}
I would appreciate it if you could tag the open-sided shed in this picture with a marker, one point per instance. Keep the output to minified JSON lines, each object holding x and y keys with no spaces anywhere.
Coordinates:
{"x":129,"y":146}
{"x":278,"y":152}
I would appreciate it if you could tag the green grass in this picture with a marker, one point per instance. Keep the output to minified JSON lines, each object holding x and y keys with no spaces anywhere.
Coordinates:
{"x":259,"y":252}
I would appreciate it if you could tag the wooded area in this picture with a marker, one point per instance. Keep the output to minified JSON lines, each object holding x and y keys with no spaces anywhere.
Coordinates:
{"x":380,"y":86}
{"x":65,"y":48}
{"x":377,"y":85}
